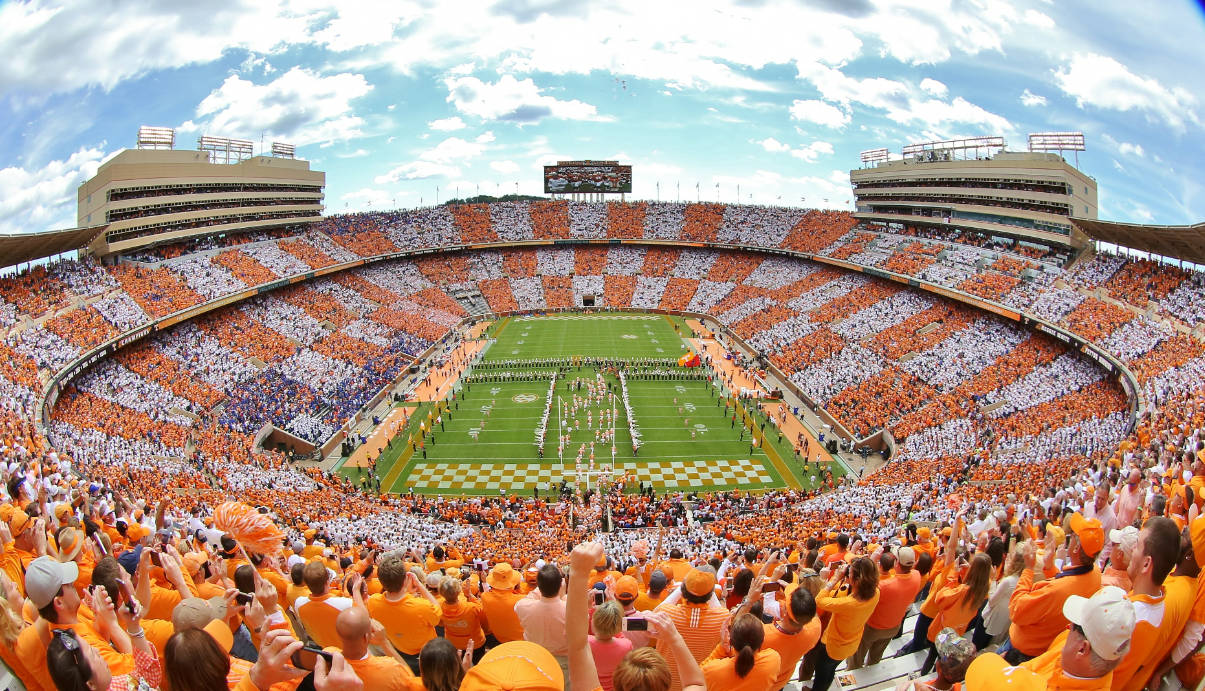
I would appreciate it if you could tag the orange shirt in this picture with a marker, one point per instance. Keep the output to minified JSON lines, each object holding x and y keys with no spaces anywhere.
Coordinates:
{"x":409,"y":622}
{"x":647,"y":603}
{"x":720,"y":672}
{"x":896,"y":593}
{"x":791,"y":647}
{"x":1180,"y":603}
{"x":462,"y":621}
{"x":849,"y":615}
{"x":380,"y":672}
{"x":699,"y":626}
{"x":317,"y":615}
{"x":500,"y":616}
{"x":31,"y":648}
{"x":952,"y":608}
{"x":1036,"y":609}
{"x":1138,"y":663}
{"x":1049,"y":667}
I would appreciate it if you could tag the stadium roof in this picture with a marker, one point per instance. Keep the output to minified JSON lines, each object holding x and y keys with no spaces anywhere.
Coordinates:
{"x":1179,"y":242}
{"x":18,"y":248}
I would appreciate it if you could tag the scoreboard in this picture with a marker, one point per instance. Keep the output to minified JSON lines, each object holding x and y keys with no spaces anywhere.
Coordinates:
{"x":592,"y":177}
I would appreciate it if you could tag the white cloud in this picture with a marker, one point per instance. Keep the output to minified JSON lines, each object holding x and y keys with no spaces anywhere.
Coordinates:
{"x":1103,"y":82}
{"x":934,"y":87}
{"x":299,"y":107}
{"x":368,"y":198}
{"x":513,"y":100}
{"x":813,"y":151}
{"x":78,"y":43}
{"x":1029,"y":98}
{"x":1128,"y":149}
{"x":905,"y":104}
{"x":773,"y":145}
{"x":417,"y":170}
{"x":1038,"y":19}
{"x":43,"y":198}
{"x":505,"y":167}
{"x":808,"y":153}
{"x":447,"y":124}
{"x":439,"y":161}
{"x":820,"y":113}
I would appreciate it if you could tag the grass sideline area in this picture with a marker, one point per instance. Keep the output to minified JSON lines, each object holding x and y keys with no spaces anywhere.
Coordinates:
{"x":487,"y":440}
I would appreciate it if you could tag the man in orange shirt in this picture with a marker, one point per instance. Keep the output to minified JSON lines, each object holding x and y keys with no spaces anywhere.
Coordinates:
{"x":793,"y":635}
{"x":318,"y":610}
{"x":408,"y":611}
{"x":697,"y":615}
{"x":1036,"y":609}
{"x":1155,"y":554}
{"x":838,"y":555}
{"x":498,"y":602}
{"x":898,"y":587}
{"x":1082,"y":658}
{"x":676,"y":567}
{"x":356,"y":631}
{"x":50,"y":587}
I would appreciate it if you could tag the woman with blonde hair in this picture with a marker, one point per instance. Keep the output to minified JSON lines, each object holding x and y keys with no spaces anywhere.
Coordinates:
{"x":606,"y":646}
{"x":643,"y":669}
{"x":11,"y":625}
{"x":462,"y":617}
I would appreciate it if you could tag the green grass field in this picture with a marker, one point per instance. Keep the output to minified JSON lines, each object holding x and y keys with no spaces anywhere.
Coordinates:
{"x":625,"y":336}
{"x":487,"y":440}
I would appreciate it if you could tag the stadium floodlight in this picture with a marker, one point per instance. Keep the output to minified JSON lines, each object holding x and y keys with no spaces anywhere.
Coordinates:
{"x":874,"y":155}
{"x":1058,"y":141}
{"x":948,"y":149}
{"x":282,"y":150}
{"x":156,"y":137}
{"x":224,"y":150}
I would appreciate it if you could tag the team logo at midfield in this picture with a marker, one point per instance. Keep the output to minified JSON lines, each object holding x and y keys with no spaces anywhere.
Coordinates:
{"x":524,"y":398}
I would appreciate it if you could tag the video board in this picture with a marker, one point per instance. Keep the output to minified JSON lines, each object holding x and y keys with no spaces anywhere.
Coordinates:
{"x":594,"y":177}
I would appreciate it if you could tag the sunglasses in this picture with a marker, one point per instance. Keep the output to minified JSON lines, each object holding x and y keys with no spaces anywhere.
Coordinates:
{"x":69,"y":642}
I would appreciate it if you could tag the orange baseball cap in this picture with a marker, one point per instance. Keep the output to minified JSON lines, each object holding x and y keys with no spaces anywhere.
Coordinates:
{"x":62,"y":512}
{"x":136,"y":531}
{"x":699,"y":582}
{"x":220,"y":633}
{"x":515,"y":665}
{"x":989,"y":671}
{"x":626,"y":588}
{"x":923,"y":533}
{"x":1090,"y":533}
{"x":19,"y":522}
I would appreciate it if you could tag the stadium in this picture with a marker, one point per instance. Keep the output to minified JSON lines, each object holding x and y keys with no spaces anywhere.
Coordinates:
{"x":965,"y":376}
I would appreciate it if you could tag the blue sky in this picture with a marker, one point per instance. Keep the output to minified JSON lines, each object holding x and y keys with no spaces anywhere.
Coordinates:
{"x":394,"y":98}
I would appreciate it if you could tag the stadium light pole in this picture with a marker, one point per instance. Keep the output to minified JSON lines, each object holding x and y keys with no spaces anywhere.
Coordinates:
{"x":658,"y":190}
{"x":698,"y":195}
{"x":738,"y":193}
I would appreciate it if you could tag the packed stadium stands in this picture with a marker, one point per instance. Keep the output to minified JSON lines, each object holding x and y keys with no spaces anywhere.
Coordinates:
{"x":990,"y":417}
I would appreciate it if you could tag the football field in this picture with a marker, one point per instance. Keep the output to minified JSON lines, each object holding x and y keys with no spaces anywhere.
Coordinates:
{"x":485,"y":439}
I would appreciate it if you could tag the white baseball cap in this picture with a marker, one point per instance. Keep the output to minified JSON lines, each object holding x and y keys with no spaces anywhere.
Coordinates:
{"x":1125,"y":539}
{"x":45,"y":577}
{"x":1107,"y":619}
